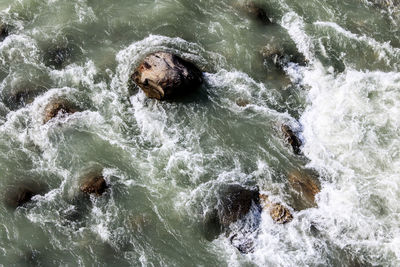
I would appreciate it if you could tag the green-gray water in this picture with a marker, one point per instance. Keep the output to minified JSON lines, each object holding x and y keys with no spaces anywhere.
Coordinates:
{"x":165,"y":161}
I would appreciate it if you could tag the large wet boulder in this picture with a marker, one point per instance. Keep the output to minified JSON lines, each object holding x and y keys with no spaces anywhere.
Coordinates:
{"x":94,"y":184}
{"x":163,"y":75}
{"x":305,"y":185}
{"x":254,"y":10}
{"x":279,"y":213}
{"x":292,"y":139}
{"x":19,"y":194}
{"x":58,"y":108}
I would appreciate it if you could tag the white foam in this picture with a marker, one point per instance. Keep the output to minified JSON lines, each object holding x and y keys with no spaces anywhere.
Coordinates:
{"x":17,"y":49}
{"x":351,"y":133}
{"x":294,"y":24}
{"x":384,"y":51}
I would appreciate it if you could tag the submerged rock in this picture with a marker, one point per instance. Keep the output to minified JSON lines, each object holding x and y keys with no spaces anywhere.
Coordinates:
{"x":59,"y":54}
{"x":22,"y":96}
{"x":305,"y":185}
{"x":279,"y":213}
{"x":94,"y":184}
{"x":242,"y":102}
{"x":58,"y":108}
{"x":255,"y":10}
{"x":281,"y":56}
{"x":163,"y":75}
{"x":292,"y":138}
{"x":140,"y":222}
{"x":18,"y":195}
{"x":386,"y":3}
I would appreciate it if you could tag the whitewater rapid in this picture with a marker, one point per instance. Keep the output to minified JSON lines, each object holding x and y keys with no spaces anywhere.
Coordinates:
{"x":165,"y":161}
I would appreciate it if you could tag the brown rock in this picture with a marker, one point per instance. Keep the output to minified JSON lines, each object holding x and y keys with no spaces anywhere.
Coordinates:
{"x":163,"y":75}
{"x":292,"y":139}
{"x":57,"y":108}
{"x":304,"y":185}
{"x":94,"y":184}
{"x":279,"y":213}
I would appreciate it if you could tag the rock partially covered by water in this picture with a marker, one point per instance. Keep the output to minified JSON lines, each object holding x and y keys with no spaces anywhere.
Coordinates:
{"x":235,"y":203}
{"x":279,"y":213}
{"x":292,"y":138}
{"x":254,"y":10}
{"x":305,"y":185}
{"x":242,"y":102}
{"x":94,"y":184}
{"x":22,"y":96}
{"x":18,"y":195}
{"x":386,"y":3}
{"x":58,"y":108}
{"x":281,"y":56}
{"x":58,"y":55}
{"x":4,"y":31}
{"x":163,"y":76}
{"x":238,"y":214}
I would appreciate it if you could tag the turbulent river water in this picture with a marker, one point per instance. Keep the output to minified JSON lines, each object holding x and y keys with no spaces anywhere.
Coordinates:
{"x":165,"y":161}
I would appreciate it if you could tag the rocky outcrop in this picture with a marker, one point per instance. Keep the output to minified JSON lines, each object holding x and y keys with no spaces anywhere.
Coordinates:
{"x":58,"y":108}
{"x":305,"y":185}
{"x":22,"y":193}
{"x":254,"y":10}
{"x":94,"y":184}
{"x":279,"y":213}
{"x":163,"y":75}
{"x":292,"y":138}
